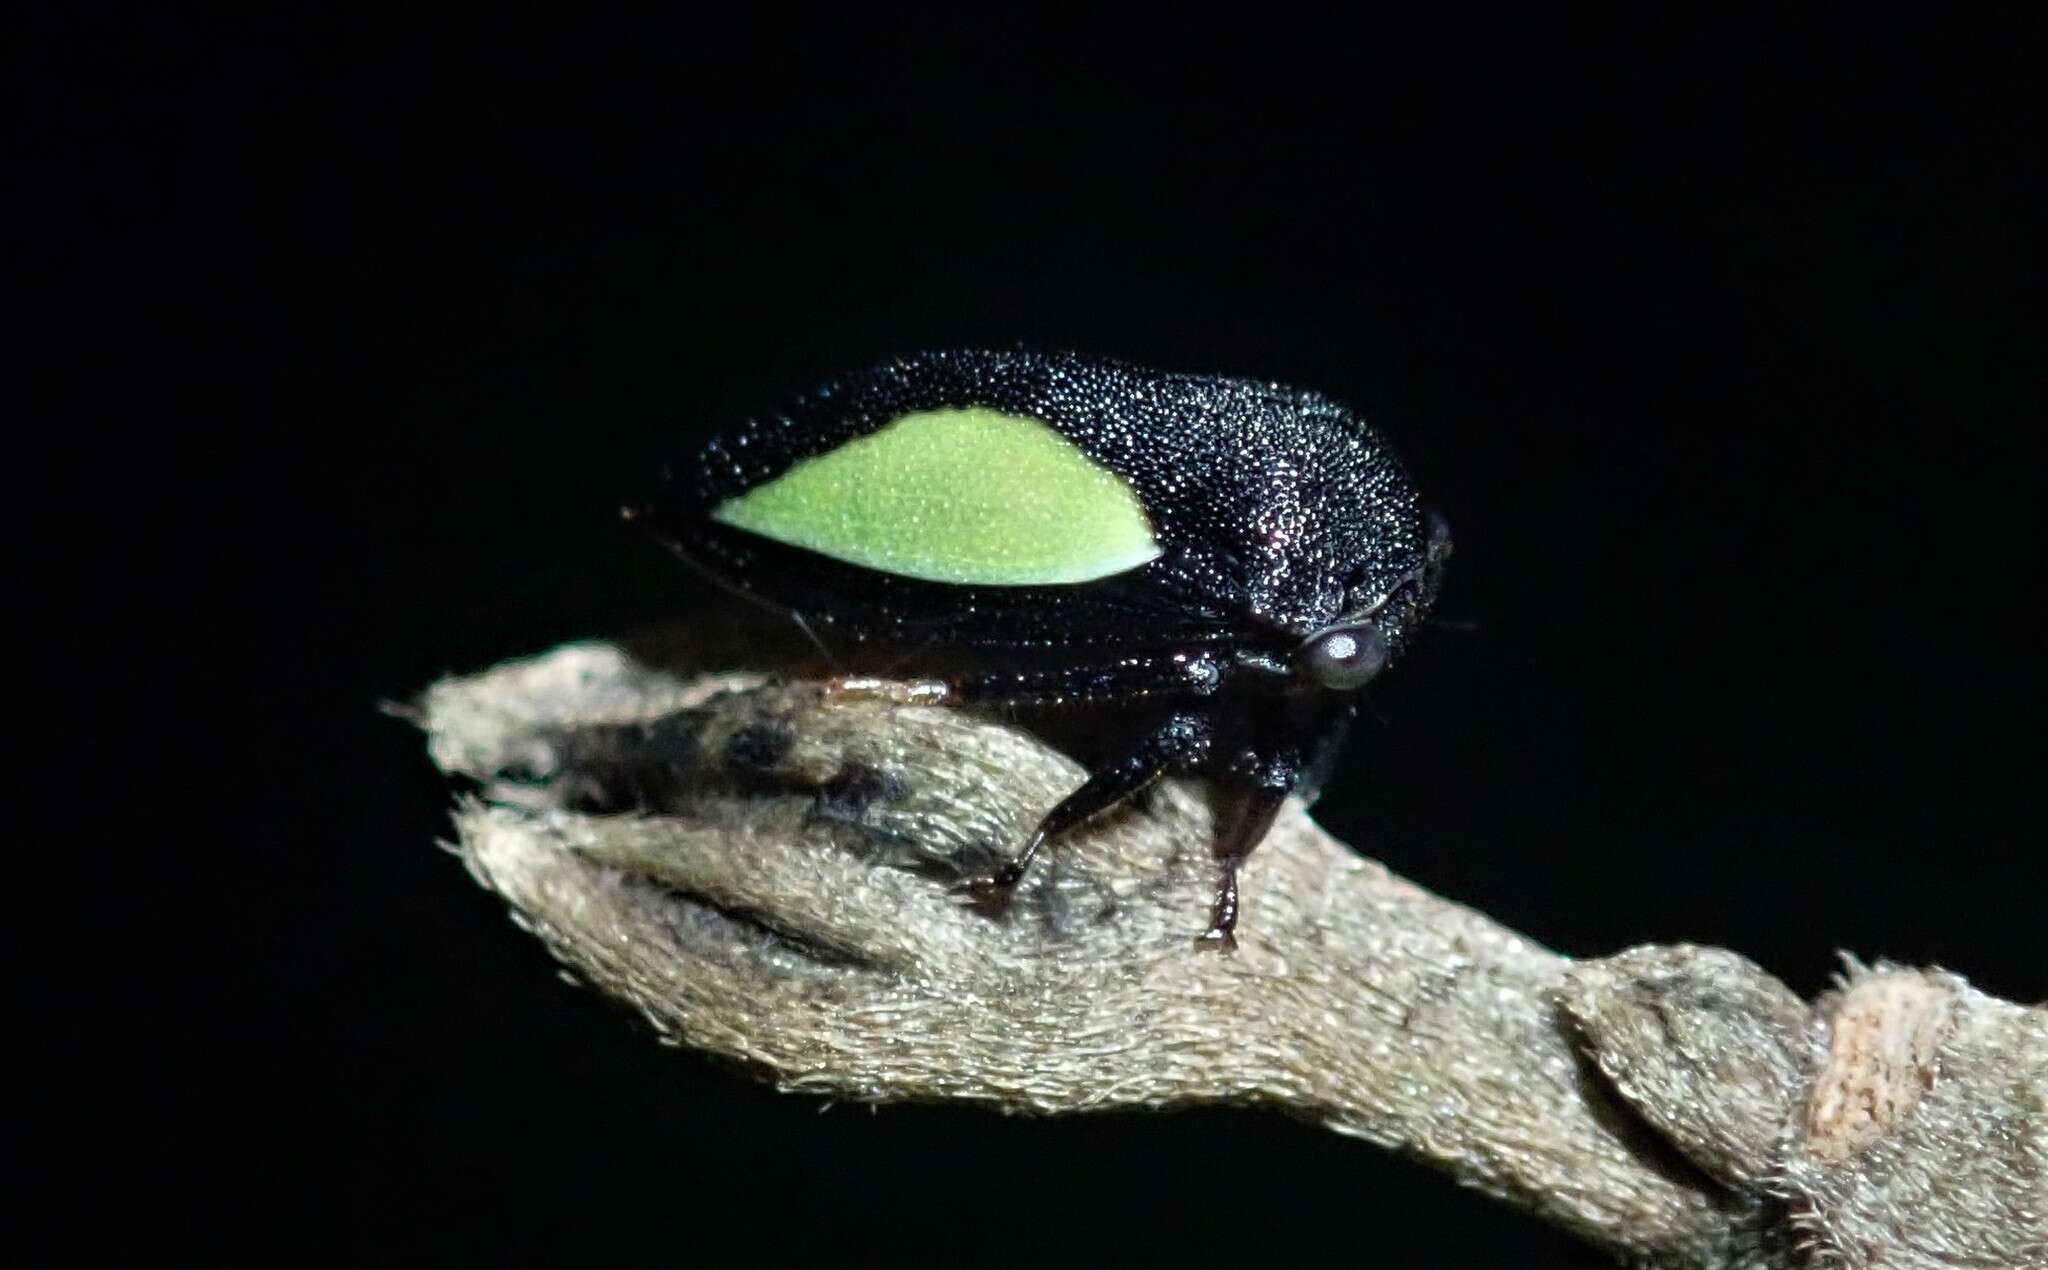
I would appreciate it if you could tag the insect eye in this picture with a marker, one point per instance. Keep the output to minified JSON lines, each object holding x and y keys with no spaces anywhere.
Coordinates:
{"x":1344,"y":657}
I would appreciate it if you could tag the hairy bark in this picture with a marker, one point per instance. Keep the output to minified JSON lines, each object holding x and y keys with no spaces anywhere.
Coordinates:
{"x":773,"y":875}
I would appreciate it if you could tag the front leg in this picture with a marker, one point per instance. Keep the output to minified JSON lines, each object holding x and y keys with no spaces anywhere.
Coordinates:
{"x":1245,"y":803}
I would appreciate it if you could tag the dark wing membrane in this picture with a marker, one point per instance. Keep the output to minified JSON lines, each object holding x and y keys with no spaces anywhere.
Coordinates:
{"x":853,"y":609}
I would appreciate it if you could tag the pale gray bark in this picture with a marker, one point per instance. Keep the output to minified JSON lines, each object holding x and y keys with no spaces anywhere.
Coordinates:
{"x":788,"y":896}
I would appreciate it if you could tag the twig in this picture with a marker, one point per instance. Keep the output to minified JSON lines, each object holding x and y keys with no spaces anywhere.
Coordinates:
{"x":773,"y":877}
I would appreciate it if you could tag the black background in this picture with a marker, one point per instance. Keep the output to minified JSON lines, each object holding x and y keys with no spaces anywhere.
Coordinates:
{"x":1720,"y":349}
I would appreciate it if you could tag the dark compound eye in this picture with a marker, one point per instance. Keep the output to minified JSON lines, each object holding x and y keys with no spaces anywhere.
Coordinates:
{"x":1343,"y":657}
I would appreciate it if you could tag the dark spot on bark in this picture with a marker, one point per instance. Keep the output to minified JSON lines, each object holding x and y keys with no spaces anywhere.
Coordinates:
{"x":755,"y":749}
{"x":625,"y":767}
{"x":675,"y":741}
{"x":853,"y":789}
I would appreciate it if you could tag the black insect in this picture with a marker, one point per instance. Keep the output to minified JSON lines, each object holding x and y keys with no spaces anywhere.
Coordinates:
{"x":1209,"y":568}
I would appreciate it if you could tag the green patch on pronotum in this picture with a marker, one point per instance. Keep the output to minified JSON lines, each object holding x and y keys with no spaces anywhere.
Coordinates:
{"x":970,"y":496}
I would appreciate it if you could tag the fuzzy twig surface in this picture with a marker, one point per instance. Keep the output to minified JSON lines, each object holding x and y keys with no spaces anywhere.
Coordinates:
{"x":774,"y":875}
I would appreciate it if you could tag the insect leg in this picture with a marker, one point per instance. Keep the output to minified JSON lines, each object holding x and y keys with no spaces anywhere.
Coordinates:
{"x":1243,"y":815}
{"x":1181,"y":739}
